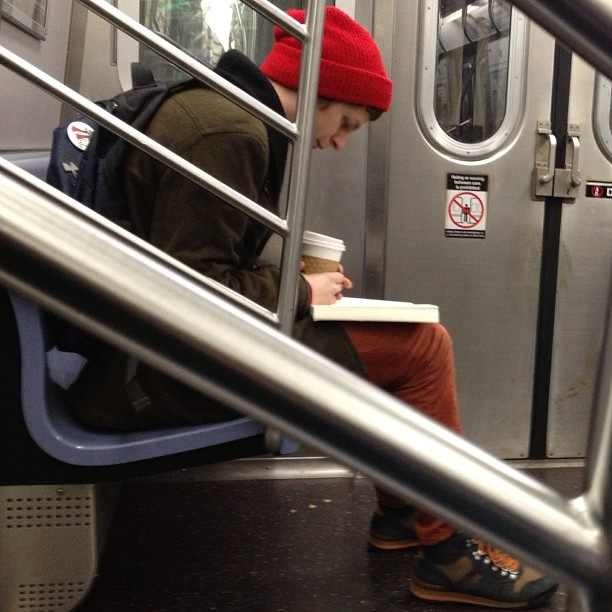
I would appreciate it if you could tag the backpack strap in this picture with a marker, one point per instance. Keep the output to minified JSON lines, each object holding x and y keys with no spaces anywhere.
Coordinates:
{"x":141,"y":75}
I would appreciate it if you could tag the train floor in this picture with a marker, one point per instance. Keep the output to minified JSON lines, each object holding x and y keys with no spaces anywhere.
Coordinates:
{"x":259,"y":546}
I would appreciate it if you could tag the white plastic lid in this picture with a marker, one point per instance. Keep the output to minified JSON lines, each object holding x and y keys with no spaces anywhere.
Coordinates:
{"x":321,"y":240}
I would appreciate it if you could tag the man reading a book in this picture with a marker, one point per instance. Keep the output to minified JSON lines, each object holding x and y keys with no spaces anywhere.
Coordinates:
{"x":414,"y":362}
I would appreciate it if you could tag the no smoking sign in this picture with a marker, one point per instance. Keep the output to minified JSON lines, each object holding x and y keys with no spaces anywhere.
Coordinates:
{"x":466,"y":206}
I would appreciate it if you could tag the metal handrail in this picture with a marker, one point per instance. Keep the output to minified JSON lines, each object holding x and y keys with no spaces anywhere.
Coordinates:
{"x":310,"y":35}
{"x":584,"y":25}
{"x":210,"y":345}
{"x":33,"y":74}
{"x":293,"y":388}
{"x":290,"y":229}
{"x":192,"y":66}
{"x":270,"y":11}
{"x":300,"y":165}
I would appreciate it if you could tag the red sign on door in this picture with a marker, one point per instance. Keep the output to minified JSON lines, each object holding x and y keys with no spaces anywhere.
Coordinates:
{"x":466,"y":206}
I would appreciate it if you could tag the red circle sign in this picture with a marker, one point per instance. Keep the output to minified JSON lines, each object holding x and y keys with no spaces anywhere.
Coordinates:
{"x":466,"y":210}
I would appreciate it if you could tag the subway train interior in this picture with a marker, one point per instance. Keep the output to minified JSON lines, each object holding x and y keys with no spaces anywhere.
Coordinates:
{"x":484,"y":190}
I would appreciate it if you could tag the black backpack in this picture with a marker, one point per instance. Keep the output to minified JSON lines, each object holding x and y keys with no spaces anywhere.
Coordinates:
{"x":86,"y":164}
{"x":86,"y":158}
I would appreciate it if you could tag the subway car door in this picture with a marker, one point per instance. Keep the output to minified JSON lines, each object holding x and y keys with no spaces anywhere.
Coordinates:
{"x":472,"y":106}
{"x":584,"y":262}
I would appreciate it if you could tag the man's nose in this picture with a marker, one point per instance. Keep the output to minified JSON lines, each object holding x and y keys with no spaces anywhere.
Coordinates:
{"x":339,"y":141}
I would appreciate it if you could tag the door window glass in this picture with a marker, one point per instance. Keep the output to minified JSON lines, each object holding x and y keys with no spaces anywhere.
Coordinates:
{"x":28,"y":15}
{"x":472,"y":76}
{"x":206,"y":29}
{"x":202,"y":28}
{"x":472,"y":67}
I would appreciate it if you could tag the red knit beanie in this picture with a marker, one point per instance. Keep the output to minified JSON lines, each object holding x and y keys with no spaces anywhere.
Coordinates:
{"x":351,"y":69}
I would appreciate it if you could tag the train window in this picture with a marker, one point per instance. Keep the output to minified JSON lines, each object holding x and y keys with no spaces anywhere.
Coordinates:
{"x":203,"y":28}
{"x":28,"y":15}
{"x":602,"y":115}
{"x":473,"y":65}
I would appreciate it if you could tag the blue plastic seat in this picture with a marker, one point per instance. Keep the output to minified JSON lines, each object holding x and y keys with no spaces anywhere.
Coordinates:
{"x":52,"y":427}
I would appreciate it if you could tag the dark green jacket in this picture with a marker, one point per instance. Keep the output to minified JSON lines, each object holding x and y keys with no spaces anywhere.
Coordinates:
{"x":208,"y":234}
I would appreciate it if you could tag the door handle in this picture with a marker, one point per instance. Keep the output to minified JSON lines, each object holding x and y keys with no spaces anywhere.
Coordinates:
{"x":545,"y":160}
{"x":543,"y":179}
{"x":569,"y":178}
{"x":575,"y":176}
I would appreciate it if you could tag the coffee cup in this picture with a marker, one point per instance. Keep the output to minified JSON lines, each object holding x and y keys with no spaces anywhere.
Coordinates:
{"x":321,"y":253}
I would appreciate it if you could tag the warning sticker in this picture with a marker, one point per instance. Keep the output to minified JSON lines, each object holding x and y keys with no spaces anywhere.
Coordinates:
{"x":599,"y":190}
{"x":466,"y":206}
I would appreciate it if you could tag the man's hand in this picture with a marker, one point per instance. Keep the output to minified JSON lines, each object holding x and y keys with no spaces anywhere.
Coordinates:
{"x":327,"y":287}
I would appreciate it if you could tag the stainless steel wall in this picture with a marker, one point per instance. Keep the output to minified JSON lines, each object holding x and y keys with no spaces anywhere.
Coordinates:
{"x":585,"y":265}
{"x":91,"y":70}
{"x":336,"y":202}
{"x":487,"y":289}
{"x":28,"y":115}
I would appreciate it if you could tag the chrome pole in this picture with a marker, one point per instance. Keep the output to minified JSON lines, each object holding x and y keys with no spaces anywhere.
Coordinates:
{"x":300,"y":163}
{"x":270,"y":11}
{"x":583,"y":25}
{"x":43,"y":190}
{"x":143,"y":142}
{"x":192,"y":66}
{"x":101,"y":280}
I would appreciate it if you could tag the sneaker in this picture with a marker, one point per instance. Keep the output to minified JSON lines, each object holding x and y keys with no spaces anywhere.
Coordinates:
{"x":391,"y":529}
{"x":465,"y":570}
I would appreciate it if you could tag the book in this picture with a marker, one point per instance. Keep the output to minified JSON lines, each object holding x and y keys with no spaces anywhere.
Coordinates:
{"x":362,"y":309}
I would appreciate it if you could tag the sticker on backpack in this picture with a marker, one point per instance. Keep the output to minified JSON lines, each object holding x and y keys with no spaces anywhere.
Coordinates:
{"x":79,"y":134}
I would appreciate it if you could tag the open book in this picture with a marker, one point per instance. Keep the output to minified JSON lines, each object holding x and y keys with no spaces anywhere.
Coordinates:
{"x":361,"y":309}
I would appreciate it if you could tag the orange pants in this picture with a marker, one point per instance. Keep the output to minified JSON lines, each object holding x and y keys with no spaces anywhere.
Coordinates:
{"x":415,"y":363}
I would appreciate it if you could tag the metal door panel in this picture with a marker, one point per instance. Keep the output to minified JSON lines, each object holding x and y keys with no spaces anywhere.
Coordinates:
{"x":336,"y":201}
{"x":487,"y":289}
{"x":336,"y":205}
{"x":29,"y":115}
{"x":585,"y":266}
